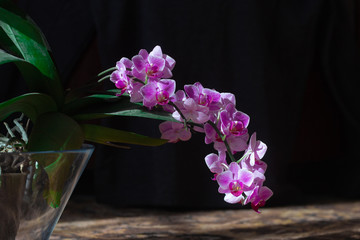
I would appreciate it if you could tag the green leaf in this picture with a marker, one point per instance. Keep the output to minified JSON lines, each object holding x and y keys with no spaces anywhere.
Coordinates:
{"x":37,"y":81}
{"x":58,"y":173}
{"x":56,"y":167}
{"x":31,"y":104}
{"x":21,"y":37}
{"x":55,"y":131}
{"x":86,"y":103}
{"x":6,"y":58}
{"x":104,"y":105}
{"x":109,"y":136}
{"x":79,"y":92}
{"x":5,"y":42}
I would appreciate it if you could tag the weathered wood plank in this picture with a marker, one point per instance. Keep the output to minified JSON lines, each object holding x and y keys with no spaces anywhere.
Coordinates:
{"x":95,"y":221}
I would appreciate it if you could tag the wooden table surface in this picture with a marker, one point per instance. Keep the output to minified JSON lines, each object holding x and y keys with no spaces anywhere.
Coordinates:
{"x":90,"y":220}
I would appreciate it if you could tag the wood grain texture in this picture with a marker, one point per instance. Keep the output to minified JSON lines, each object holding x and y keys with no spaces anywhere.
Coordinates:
{"x":323,"y":221}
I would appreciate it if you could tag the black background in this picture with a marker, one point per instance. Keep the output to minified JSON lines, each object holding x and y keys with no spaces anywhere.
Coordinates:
{"x":293,"y":65}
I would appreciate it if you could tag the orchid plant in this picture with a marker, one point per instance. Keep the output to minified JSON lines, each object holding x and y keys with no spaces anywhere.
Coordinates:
{"x":143,"y":87}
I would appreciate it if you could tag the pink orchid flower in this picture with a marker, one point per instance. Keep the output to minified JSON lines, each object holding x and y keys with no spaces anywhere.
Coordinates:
{"x":203,"y":96}
{"x":174,"y":131}
{"x":233,"y":122}
{"x":256,"y":150}
{"x":234,"y":180}
{"x":259,"y":197}
{"x":157,"y":92}
{"x":192,"y":111}
{"x":154,"y":65}
{"x":120,"y":78}
{"x":216,"y":163}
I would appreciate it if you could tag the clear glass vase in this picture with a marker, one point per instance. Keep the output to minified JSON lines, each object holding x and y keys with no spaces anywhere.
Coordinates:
{"x":35,"y":189}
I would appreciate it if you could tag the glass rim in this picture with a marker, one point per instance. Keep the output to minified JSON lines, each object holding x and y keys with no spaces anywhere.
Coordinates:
{"x":84,"y":147}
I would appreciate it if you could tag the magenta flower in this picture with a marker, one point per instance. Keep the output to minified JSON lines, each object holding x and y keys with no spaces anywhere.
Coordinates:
{"x":236,"y":143}
{"x":134,"y":91}
{"x":192,"y":111}
{"x":259,"y":197}
{"x":234,"y":180}
{"x":174,"y":131}
{"x":233,"y":126}
{"x":230,"y":198}
{"x":169,"y":63}
{"x":255,"y":151}
{"x":146,"y":79}
{"x":227,"y":98}
{"x":127,"y":63}
{"x":119,"y":77}
{"x":157,"y":92}
{"x":251,"y":191}
{"x":216,"y":163}
{"x":178,"y":98}
{"x":203,"y":96}
{"x":258,"y":171}
{"x":154,"y":65}
{"x":233,"y":122}
{"x":121,"y":82}
{"x":211,"y":135}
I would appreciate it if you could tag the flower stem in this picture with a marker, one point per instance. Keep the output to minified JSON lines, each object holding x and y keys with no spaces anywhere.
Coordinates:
{"x":138,"y":80}
{"x":212,"y":124}
{"x":181,"y":114}
{"x":177,"y":109}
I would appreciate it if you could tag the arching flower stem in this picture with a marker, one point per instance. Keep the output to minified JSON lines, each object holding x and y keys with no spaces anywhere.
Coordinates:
{"x":138,"y":80}
{"x":181,"y":114}
{"x":223,"y":138}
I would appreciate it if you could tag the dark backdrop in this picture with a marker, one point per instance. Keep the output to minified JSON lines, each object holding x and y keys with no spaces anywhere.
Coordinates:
{"x":293,"y":65}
